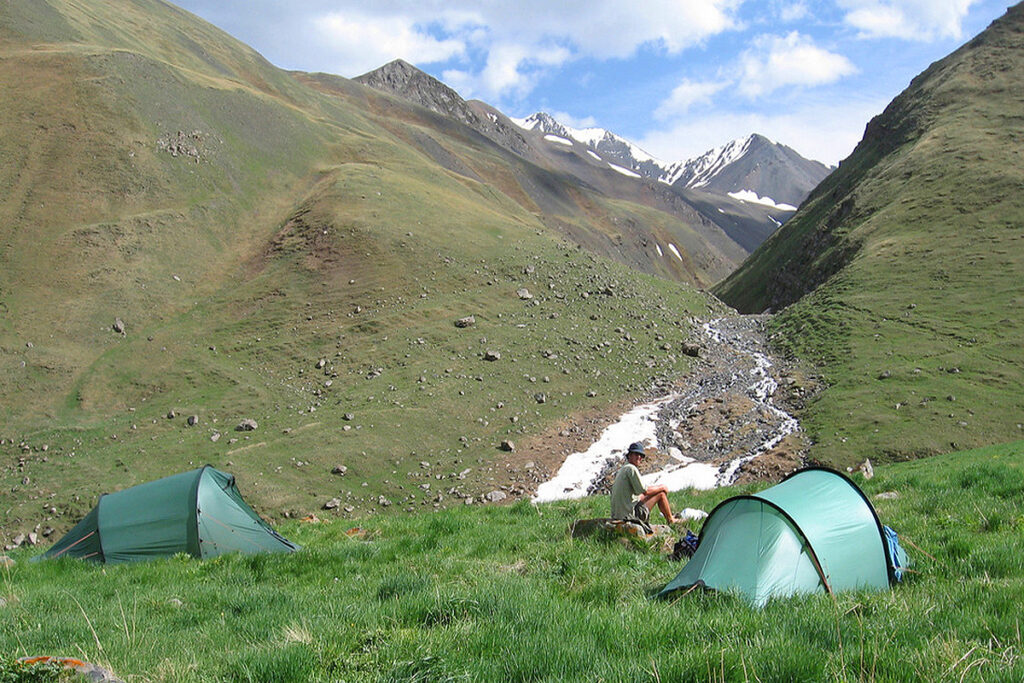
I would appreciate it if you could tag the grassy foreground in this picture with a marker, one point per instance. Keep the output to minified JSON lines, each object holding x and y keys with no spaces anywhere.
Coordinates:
{"x":501,"y":593}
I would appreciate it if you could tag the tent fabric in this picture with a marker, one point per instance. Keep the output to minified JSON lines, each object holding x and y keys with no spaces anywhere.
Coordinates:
{"x":200,"y":513}
{"x":149,"y":520}
{"x":227,"y":524}
{"x":815,"y":531}
{"x":82,"y":541}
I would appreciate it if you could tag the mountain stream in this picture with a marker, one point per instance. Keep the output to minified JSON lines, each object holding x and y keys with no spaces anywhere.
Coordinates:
{"x":726,"y":416}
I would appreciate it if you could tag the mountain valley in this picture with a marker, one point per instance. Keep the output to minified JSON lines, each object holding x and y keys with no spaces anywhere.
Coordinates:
{"x":406,"y":291}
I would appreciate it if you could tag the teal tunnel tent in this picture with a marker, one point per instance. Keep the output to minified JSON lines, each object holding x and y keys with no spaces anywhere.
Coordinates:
{"x":199,"y":512}
{"x":814,"y":531}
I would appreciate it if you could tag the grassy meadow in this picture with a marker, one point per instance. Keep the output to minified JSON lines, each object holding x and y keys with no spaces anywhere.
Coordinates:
{"x":501,"y":593}
{"x":306,"y":268}
{"x":399,"y":384}
{"x":300,"y":260}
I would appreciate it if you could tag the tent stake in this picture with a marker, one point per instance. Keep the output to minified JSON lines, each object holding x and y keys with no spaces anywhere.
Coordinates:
{"x":915,"y":547}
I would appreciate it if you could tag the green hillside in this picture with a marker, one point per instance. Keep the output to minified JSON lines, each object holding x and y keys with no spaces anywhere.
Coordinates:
{"x":187,"y":231}
{"x":502,"y":593}
{"x":903,"y":274}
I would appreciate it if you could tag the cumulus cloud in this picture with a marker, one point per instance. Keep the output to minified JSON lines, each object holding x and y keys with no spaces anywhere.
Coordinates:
{"x":922,"y":20}
{"x":572,"y":121}
{"x":362,"y":43}
{"x":771,"y":63}
{"x":512,"y":44}
{"x":595,"y":28}
{"x":775,"y":62}
{"x":793,"y":11}
{"x":499,"y":50}
{"x":514,"y":68}
{"x":611,"y":28}
{"x":688,"y":94}
{"x":509,"y":71}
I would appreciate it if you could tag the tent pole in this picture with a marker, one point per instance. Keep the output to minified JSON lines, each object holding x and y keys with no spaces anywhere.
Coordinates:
{"x":821,"y":572}
{"x":74,"y":544}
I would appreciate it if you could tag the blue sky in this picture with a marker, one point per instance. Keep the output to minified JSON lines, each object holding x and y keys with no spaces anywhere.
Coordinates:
{"x":677,"y":77}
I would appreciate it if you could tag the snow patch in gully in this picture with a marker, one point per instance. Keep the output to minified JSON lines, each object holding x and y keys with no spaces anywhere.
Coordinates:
{"x":738,"y":367}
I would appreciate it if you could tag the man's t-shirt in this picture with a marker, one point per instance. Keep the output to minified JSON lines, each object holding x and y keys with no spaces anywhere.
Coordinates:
{"x":625,"y":490}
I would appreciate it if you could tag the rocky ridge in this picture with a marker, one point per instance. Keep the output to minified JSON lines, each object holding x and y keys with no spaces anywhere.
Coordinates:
{"x":406,"y":81}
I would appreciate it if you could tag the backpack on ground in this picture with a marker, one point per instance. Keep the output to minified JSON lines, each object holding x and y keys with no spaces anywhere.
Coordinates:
{"x":686,"y":546}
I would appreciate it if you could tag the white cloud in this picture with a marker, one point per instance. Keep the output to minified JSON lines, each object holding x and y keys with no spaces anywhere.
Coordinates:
{"x":512,"y":43}
{"x":687,"y":94}
{"x":510,"y":71}
{"x":461,"y":82}
{"x":771,"y":63}
{"x":793,"y":60}
{"x":361,"y":43}
{"x":571,"y":121}
{"x":819,"y":129}
{"x":611,"y":28}
{"x":922,"y":20}
{"x":502,"y":71}
{"x":514,"y":68}
{"x":794,"y":11}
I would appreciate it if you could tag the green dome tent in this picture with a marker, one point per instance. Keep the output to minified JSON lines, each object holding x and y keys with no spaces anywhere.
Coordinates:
{"x":815,"y":531}
{"x":199,"y":512}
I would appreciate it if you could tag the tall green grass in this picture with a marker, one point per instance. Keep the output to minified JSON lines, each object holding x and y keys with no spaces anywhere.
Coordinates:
{"x":501,"y":593}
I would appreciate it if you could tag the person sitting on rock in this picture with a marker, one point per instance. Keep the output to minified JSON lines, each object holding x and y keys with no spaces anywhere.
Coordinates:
{"x":629,"y":493}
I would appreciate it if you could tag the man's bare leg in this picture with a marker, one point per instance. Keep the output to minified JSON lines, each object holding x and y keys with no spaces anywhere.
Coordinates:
{"x":661,"y":500}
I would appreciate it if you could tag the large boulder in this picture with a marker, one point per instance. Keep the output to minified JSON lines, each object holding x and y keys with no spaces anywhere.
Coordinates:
{"x":581,"y":528}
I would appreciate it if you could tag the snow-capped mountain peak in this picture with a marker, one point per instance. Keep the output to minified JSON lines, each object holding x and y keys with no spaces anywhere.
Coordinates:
{"x":699,"y":171}
{"x":752,"y":169}
{"x":610,"y":147}
{"x":545,"y":123}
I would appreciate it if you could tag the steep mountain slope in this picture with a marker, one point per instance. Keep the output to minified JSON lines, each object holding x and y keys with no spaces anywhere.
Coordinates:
{"x":737,"y":203}
{"x":751,"y":169}
{"x":747,"y":187}
{"x":600,"y":144}
{"x":134,"y":171}
{"x":776,"y":174}
{"x":556,"y":173}
{"x":903,"y":272}
{"x":401,"y":78}
{"x":641,"y":225}
{"x":589,"y":154}
{"x":187,"y":231}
